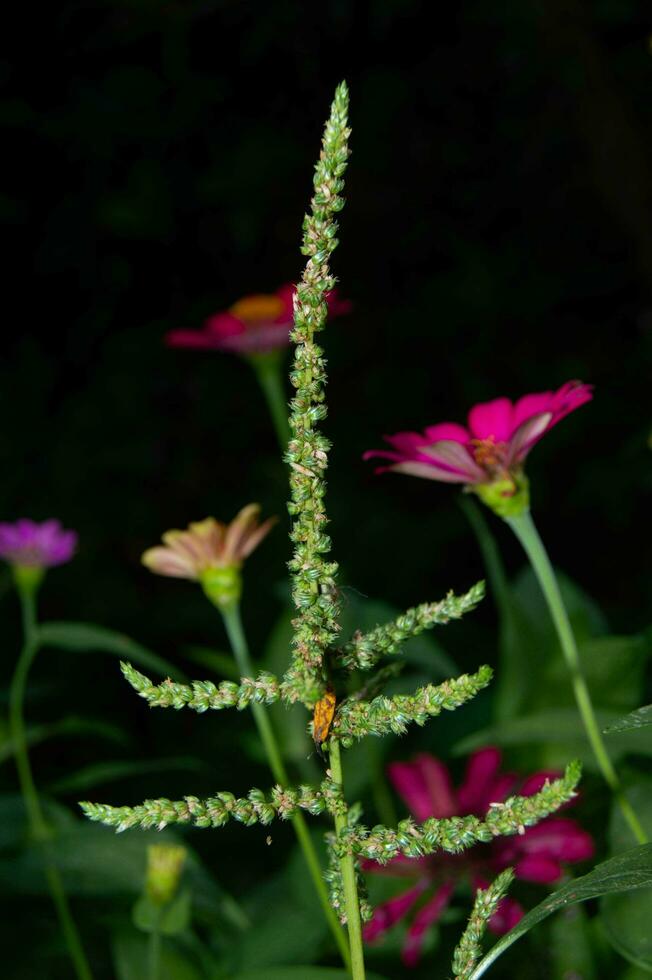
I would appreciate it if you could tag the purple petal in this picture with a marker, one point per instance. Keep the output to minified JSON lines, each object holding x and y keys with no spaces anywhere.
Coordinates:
{"x":481,"y":771}
{"x":389,"y":913}
{"x":425,"y":786}
{"x":538,"y":868}
{"x":427,"y":915}
{"x":506,"y":916}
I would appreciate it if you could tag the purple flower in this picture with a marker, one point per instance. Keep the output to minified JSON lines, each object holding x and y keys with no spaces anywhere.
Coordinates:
{"x":538,"y":854}
{"x":31,"y":545}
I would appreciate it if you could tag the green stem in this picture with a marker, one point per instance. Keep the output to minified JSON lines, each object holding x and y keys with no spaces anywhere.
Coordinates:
{"x":349,"y":881}
{"x":37,"y":823}
{"x":271,"y":378}
{"x":526,"y":532}
{"x":154,"y":955}
{"x":233,"y":625}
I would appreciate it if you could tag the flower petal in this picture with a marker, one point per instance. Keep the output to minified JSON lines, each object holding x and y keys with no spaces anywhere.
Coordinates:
{"x":427,"y":915}
{"x":448,"y":431}
{"x":425,"y":785}
{"x":165,"y":561}
{"x":389,"y":913}
{"x":481,"y":771}
{"x":538,"y":868}
{"x":506,"y":916}
{"x":529,"y":405}
{"x":559,"y":838}
{"x":428,"y":471}
{"x":527,"y":435}
{"x":455,"y":457}
{"x":492,"y":420}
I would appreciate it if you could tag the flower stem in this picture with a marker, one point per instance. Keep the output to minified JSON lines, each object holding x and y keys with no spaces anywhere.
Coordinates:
{"x":238,"y":641}
{"x":271,"y":378}
{"x":349,"y":881}
{"x":36,"y":819}
{"x":526,"y":532}
{"x":154,"y":955}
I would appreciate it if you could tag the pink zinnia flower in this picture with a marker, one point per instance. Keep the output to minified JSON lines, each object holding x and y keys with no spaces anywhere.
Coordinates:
{"x":27,"y":544}
{"x":255,"y":324}
{"x":491,"y":449}
{"x":537,"y":855}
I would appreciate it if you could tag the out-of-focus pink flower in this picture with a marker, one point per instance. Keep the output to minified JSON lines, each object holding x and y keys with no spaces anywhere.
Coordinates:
{"x":207,"y":545}
{"x":255,"y":324}
{"x":491,"y":448}
{"x":537,"y":855}
{"x":27,"y":544}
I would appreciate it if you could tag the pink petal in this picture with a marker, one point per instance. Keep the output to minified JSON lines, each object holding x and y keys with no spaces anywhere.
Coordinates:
{"x":506,"y":916}
{"x":425,"y":786}
{"x":448,"y":431}
{"x":223,"y":325}
{"x":530,"y":405}
{"x":286,"y":294}
{"x":527,"y":435}
{"x":389,"y":913}
{"x":538,"y":868}
{"x":408,"y":444}
{"x":492,"y":419}
{"x":570,"y":396}
{"x":455,"y":457}
{"x":427,"y":915}
{"x":195,"y":339}
{"x":427,"y":471}
{"x":481,"y":771}
{"x":537,"y":781}
{"x":558,"y":838}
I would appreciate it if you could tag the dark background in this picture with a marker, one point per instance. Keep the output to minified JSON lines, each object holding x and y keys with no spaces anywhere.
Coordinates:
{"x":497,"y":240}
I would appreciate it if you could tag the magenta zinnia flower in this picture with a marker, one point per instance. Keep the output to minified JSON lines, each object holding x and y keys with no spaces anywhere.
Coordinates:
{"x":537,"y":855}
{"x":491,"y":450}
{"x":27,"y":544}
{"x":255,"y":324}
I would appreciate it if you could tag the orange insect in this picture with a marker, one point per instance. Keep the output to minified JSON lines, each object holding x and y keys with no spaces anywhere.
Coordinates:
{"x":323,"y":718}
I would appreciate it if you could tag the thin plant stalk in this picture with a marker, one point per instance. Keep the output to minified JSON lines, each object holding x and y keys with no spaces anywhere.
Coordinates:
{"x":238,"y":641}
{"x":526,"y":532}
{"x":349,"y":880}
{"x":154,"y":955}
{"x":271,"y":378}
{"x":36,"y":819}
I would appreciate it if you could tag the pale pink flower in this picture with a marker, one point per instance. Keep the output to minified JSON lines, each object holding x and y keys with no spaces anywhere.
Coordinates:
{"x":208,"y":544}
{"x":256,"y":324}
{"x":537,"y":855}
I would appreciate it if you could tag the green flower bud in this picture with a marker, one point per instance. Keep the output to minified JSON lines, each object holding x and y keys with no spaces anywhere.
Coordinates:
{"x":164,"y":866}
{"x":223,"y":586}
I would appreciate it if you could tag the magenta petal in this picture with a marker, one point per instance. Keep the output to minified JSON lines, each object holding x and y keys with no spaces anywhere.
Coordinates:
{"x":448,"y":431}
{"x":426,"y":787}
{"x":537,"y":781}
{"x":492,"y":420}
{"x":222,"y":325}
{"x":387,"y":914}
{"x":527,"y":435}
{"x":193,"y":339}
{"x":455,"y":457}
{"x":506,"y":916}
{"x":530,"y":405}
{"x":427,"y":915}
{"x":430,"y":471}
{"x":559,"y":838}
{"x":481,"y":771}
{"x":538,"y":868}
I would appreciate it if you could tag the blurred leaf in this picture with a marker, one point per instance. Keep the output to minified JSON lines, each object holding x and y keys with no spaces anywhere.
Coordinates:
{"x":88,"y":638}
{"x":131,"y":963}
{"x":219,"y":663}
{"x":107,"y":772}
{"x":66,"y":727}
{"x":640,"y":718}
{"x":624,"y":873}
{"x":560,"y":732}
{"x":169,"y":920}
{"x":569,"y":945}
{"x":13,"y":819}
{"x":627,"y":918}
{"x":301,"y":973}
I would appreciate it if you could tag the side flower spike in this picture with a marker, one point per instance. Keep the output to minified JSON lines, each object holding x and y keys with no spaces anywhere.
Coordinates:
{"x":489,"y":453}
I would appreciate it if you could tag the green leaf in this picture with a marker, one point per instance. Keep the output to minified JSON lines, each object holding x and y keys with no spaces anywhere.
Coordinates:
{"x":626,"y":872}
{"x":301,"y":973}
{"x":66,"y":727}
{"x":106,"y":772}
{"x":88,"y":638}
{"x":640,"y":718}
{"x":560,"y":732}
{"x":130,"y":960}
{"x":170,"y":920}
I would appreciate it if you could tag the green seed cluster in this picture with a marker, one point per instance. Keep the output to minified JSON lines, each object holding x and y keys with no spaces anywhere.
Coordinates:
{"x":313,"y":576}
{"x":456,"y":834}
{"x":383,"y":715}
{"x":205,"y":695}
{"x":365,"y":650}
{"x":468,"y":950}
{"x":216,"y":811}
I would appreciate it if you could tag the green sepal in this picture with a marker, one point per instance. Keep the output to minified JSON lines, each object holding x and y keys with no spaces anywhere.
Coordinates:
{"x":167,"y":920}
{"x":223,"y":586}
{"x":507,"y":498}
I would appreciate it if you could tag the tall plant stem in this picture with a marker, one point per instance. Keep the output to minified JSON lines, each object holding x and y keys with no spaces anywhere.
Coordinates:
{"x":154,"y":955}
{"x":238,"y":641}
{"x":271,"y":378}
{"x":36,"y":819}
{"x":349,"y":882}
{"x":526,"y":532}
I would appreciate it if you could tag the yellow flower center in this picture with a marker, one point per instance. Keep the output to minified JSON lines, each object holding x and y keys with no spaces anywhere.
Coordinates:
{"x":258,"y":309}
